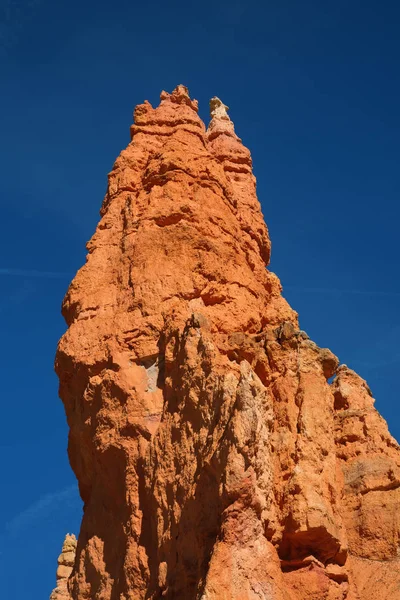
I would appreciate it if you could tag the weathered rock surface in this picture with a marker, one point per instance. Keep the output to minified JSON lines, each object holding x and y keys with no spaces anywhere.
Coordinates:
{"x":65,"y":564}
{"x":214,"y":458}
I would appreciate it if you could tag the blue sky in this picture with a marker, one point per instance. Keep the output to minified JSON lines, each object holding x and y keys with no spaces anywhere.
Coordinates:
{"x":313,"y":89}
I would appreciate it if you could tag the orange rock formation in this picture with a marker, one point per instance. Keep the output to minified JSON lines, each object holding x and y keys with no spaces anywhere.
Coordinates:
{"x":65,"y":564}
{"x":214,"y":458}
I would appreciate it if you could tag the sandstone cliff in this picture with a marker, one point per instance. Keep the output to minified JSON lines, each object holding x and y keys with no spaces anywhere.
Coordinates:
{"x":214,"y":457}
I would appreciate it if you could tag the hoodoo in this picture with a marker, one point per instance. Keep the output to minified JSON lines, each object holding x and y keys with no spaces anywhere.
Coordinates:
{"x":215,"y":458}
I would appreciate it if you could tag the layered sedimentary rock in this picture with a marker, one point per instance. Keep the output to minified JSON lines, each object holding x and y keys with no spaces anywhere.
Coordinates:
{"x":215,"y":456}
{"x":65,"y":564}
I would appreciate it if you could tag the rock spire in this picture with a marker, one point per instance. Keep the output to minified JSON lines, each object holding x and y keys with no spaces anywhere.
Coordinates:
{"x":215,"y":459}
{"x":65,"y":564}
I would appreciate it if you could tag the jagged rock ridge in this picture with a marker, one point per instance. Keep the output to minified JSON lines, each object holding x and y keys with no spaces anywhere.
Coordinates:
{"x":214,"y":459}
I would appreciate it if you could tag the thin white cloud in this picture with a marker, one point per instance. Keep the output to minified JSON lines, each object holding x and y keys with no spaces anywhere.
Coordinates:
{"x":40,"y":508}
{"x":378,"y":364}
{"x":317,"y":290}
{"x":34,"y":273}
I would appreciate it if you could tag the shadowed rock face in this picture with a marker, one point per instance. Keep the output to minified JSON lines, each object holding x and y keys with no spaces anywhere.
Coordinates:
{"x":214,"y":459}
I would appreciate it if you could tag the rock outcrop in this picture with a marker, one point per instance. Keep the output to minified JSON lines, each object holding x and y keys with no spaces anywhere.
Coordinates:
{"x":215,"y":456}
{"x":65,"y":564}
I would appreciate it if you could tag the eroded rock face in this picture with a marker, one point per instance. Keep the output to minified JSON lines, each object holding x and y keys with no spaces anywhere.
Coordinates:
{"x":64,"y":569}
{"x":214,"y":459}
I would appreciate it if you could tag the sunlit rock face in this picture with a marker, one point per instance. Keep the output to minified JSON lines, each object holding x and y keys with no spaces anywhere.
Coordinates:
{"x":64,"y":569}
{"x":214,"y":458}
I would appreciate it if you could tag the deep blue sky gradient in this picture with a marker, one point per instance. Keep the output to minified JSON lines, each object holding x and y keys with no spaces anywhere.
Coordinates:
{"x":313,"y":88}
